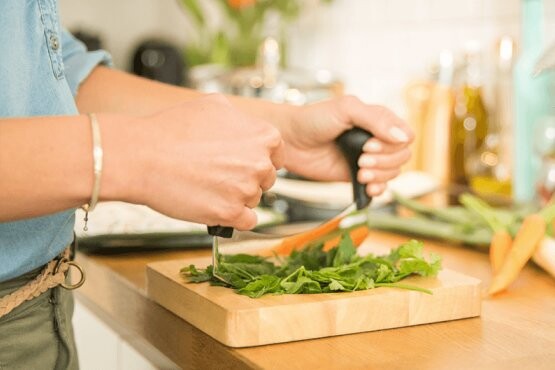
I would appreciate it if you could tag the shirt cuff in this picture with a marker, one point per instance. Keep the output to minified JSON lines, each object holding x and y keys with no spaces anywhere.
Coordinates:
{"x":78,"y":62}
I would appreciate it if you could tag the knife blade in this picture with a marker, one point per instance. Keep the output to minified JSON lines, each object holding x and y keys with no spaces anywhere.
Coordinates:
{"x":350,"y":143}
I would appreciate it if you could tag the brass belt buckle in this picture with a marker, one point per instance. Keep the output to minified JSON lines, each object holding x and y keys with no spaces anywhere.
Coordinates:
{"x":77,"y":266}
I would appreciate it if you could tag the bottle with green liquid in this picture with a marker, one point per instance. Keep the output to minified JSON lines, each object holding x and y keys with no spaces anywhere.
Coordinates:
{"x":470,"y":121}
{"x":532,"y":101}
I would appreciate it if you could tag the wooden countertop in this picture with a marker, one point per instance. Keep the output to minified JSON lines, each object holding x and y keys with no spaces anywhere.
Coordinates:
{"x":516,"y":329}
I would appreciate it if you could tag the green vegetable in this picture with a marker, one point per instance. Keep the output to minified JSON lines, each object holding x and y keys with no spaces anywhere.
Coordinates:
{"x":313,"y":270}
{"x":458,"y":215}
{"x":471,"y":224}
{"x":477,"y":236}
{"x":482,"y":210}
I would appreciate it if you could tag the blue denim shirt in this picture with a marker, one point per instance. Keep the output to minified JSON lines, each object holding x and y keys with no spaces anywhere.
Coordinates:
{"x":41,"y":67}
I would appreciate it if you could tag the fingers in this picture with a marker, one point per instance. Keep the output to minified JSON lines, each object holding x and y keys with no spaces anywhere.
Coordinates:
{"x":375,"y":145}
{"x":254,"y":200}
{"x":367,"y":176}
{"x":380,"y":121}
{"x":278,"y":155}
{"x":268,"y":179}
{"x":384,"y":161}
{"x":247,"y":220}
{"x":243,"y":219}
{"x":377,"y":169}
{"x":236,"y":216}
{"x":274,"y":142}
{"x":375,"y":189}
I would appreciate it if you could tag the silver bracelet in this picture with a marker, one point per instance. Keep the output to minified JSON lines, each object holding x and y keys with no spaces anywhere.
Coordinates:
{"x":98,"y":155}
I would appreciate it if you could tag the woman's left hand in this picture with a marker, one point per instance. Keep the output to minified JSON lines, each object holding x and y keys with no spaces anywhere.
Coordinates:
{"x":310,"y":148}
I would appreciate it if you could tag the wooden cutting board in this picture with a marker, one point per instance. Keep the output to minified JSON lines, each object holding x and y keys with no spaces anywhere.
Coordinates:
{"x":240,"y":321}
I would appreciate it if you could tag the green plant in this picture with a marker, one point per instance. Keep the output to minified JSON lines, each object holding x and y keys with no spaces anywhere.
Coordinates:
{"x":312,"y":270}
{"x":235,"y":41}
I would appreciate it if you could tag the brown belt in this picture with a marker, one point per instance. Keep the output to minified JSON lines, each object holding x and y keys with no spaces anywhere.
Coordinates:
{"x":52,"y":275}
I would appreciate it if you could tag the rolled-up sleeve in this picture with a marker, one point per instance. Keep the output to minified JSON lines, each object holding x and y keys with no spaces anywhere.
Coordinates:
{"x":78,"y":62}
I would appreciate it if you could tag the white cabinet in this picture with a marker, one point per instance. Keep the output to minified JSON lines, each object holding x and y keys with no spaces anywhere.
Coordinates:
{"x":100,"y":347}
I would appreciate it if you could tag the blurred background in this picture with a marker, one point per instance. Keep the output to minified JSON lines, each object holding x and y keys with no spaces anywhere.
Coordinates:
{"x":451,"y":68}
{"x":475,"y":79}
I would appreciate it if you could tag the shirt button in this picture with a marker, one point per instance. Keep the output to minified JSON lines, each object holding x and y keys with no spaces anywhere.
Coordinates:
{"x":54,"y":42}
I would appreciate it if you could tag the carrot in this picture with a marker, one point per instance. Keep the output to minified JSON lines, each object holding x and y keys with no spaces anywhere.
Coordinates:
{"x":298,"y":241}
{"x":501,"y":240}
{"x":529,"y":235}
{"x":499,"y":248}
{"x":357,"y":234}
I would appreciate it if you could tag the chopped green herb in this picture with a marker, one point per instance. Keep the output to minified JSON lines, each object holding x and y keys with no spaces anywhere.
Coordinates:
{"x":312,"y":270}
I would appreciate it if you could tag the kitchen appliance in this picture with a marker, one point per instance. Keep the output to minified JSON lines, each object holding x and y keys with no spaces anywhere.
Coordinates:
{"x":268,"y":80}
{"x":160,"y":61}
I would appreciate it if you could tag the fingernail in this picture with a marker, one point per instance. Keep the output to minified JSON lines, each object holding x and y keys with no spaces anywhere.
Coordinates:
{"x":367,"y":176}
{"x":372,"y":146}
{"x":367,"y":161}
{"x":398,"y":134}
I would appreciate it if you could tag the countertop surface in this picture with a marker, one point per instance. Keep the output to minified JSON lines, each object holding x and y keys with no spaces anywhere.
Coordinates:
{"x":516,"y":329}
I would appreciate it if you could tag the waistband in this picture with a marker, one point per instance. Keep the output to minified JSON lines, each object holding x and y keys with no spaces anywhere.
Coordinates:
{"x":30,"y":285}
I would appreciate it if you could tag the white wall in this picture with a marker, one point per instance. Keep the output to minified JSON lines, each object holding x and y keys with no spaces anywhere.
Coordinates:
{"x":376,"y":46}
{"x":380,"y":45}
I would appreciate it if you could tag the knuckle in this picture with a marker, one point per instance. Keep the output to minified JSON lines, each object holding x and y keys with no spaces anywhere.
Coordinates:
{"x":249,"y":190}
{"x":269,"y":181}
{"x":228,"y":214}
{"x":264,"y":167}
{"x":273,"y":137}
{"x":234,"y":212}
{"x":246,"y":220}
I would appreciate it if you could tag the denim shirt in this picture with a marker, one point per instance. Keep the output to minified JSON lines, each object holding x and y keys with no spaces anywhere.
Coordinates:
{"x":41,"y":67}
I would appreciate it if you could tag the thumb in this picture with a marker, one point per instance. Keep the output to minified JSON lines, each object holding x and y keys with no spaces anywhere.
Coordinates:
{"x":380,"y":121}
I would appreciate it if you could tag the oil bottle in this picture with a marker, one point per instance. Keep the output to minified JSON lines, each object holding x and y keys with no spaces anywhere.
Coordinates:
{"x":489,"y":169}
{"x":470,"y":121}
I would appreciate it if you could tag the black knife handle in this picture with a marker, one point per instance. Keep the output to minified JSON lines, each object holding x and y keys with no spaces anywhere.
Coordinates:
{"x":221,"y":231}
{"x":351,"y":142}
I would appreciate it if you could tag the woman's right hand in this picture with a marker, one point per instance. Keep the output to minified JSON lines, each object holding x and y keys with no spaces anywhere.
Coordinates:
{"x":202,"y":161}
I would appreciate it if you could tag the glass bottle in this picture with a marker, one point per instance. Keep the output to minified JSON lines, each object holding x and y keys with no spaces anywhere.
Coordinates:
{"x":469,"y":123}
{"x":489,"y":169}
{"x":532,"y":100}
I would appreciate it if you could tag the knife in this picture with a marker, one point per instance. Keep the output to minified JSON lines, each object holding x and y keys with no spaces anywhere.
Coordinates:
{"x":350,"y":143}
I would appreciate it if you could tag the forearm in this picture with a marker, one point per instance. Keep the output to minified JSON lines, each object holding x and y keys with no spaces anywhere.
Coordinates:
{"x":46,"y":165}
{"x":109,"y":90}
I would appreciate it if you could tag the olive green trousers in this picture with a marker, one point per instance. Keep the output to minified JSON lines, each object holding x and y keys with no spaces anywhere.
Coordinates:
{"x":38,"y":334}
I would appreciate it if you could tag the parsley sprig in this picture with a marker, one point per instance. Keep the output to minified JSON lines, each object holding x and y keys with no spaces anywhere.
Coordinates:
{"x":313,"y":270}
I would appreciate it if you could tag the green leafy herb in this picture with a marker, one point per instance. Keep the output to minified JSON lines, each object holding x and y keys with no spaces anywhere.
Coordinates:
{"x":312,"y":270}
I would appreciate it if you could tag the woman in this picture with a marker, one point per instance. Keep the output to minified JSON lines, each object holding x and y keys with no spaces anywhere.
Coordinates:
{"x":205,"y":159}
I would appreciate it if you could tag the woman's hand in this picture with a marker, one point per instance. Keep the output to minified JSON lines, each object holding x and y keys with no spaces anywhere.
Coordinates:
{"x":201,"y":161}
{"x":310,"y":148}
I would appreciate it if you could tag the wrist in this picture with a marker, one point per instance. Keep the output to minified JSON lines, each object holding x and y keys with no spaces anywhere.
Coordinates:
{"x":120,"y":159}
